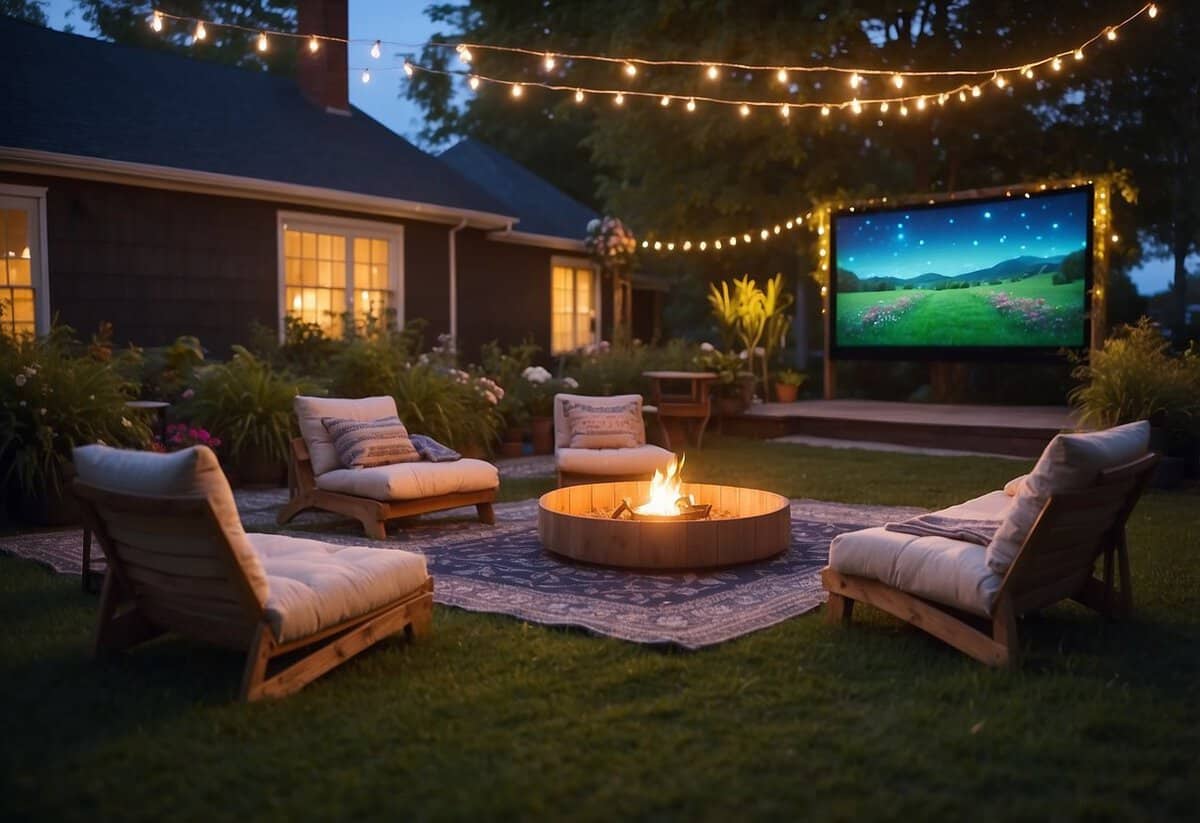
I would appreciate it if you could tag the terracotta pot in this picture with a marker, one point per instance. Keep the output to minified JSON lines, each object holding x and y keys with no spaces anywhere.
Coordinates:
{"x":511,"y":448}
{"x":543,"y":435}
{"x":786,"y":392}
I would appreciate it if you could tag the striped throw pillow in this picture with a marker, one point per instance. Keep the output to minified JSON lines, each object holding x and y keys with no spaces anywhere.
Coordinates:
{"x":604,"y":425}
{"x":361,"y":444}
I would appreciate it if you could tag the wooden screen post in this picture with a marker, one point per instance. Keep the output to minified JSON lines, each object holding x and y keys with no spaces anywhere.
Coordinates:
{"x":1101,"y":228}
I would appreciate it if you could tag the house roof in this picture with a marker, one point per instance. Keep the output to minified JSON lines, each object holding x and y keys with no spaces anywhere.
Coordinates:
{"x":75,"y":96}
{"x":542,"y":208}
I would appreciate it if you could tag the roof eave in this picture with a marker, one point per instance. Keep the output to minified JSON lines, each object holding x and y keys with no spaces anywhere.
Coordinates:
{"x":546,"y":241}
{"x":203,"y":182}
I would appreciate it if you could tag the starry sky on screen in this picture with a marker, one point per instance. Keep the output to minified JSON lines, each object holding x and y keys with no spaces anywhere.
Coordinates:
{"x":966,"y":237}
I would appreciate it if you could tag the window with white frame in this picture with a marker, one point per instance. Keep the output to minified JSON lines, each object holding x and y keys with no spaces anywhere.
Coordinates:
{"x":24,"y":295}
{"x":332,"y":269}
{"x":573,"y":305}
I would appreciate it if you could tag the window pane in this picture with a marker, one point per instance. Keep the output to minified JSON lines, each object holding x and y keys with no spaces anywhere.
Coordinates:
{"x":308,"y":245}
{"x":291,"y":243}
{"x":339,"y":247}
{"x":362,"y":250}
{"x":324,"y":273}
{"x":23,"y":306}
{"x":324,"y":250}
{"x":308,"y":272}
{"x":19,"y":272}
{"x":379,"y":252}
{"x":314,"y":278}
{"x":16,"y":233}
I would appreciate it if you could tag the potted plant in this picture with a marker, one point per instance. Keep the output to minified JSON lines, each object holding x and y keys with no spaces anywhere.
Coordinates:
{"x":734,"y":387}
{"x":787,"y":385}
{"x":55,"y":394}
{"x":1136,"y":377}
{"x":250,"y":403}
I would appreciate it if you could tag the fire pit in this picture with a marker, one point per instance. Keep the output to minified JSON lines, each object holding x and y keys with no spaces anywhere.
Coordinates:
{"x":664,"y":523}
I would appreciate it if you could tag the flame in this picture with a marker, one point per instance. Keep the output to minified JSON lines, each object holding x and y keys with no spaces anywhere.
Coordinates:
{"x":665,"y":491}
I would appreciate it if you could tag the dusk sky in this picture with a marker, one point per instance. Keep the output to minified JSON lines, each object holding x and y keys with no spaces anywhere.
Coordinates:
{"x":404,"y":21}
{"x":962,"y":238}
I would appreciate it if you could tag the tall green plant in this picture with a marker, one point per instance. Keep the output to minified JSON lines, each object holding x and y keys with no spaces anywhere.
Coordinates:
{"x":56,"y":395}
{"x":756,"y":318}
{"x":449,"y":406}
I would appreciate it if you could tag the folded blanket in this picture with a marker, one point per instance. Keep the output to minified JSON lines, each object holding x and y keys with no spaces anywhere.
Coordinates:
{"x":956,"y":528}
{"x":433,"y":451}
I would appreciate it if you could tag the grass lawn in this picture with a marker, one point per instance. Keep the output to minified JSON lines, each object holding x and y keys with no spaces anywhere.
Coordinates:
{"x":960,"y":317}
{"x":498,"y":719}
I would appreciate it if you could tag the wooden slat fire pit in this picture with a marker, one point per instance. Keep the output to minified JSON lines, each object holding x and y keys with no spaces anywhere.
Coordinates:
{"x":724,"y":526}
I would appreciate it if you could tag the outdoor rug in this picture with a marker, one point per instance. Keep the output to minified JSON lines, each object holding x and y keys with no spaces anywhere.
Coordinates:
{"x":503,"y":569}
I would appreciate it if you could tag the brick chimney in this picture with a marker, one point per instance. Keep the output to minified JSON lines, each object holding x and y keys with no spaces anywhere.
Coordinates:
{"x":323,"y":76}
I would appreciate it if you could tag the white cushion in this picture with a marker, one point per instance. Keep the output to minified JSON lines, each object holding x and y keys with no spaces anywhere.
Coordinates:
{"x":1013,"y":486}
{"x":189,"y":472}
{"x":950,"y":572}
{"x":412,"y":481}
{"x":613,"y":462}
{"x":310,"y":410}
{"x":562,"y":429}
{"x":315,"y":585}
{"x":1071,"y":462}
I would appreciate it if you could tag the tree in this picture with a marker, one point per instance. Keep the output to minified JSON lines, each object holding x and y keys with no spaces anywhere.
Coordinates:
{"x":30,"y":11}
{"x":128,"y":21}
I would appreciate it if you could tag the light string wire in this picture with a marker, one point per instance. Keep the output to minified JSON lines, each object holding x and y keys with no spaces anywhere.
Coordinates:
{"x":995,"y":74}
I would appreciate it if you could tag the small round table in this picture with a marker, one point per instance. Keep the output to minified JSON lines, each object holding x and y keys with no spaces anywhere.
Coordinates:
{"x":682,"y":409}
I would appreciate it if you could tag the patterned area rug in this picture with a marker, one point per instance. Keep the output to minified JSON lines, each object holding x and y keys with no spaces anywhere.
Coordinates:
{"x":503,"y":569}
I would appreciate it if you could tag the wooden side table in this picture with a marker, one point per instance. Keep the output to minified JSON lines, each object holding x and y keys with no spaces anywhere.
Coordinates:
{"x":680,"y":409}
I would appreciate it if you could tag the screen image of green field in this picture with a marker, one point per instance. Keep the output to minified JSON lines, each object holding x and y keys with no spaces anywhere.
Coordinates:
{"x":1008,"y":274}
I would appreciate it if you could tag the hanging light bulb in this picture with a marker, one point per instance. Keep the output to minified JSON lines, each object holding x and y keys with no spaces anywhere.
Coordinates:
{"x":713,"y":72}
{"x":658,"y":245}
{"x":1000,"y":81}
{"x":687,"y":245}
{"x":941,"y":99}
{"x":1028,"y":72}
{"x":781,"y":75}
{"x":313,"y":44}
{"x":785,"y":111}
{"x":962,"y":97}
{"x":670,"y":247}
{"x":691,"y":104}
{"x":898,"y":81}
{"x":903,"y":110}
{"x":778,"y":228}
{"x":665,"y":101}
{"x":201,"y":32}
{"x":262,"y":41}
{"x":1078,"y":54}
{"x":1056,"y":64}
{"x":856,"y":106}
{"x":1112,"y":33}
{"x":733,"y":241}
{"x":619,"y":99}
{"x":631,"y":69}
{"x":464,"y":53}
{"x":883,"y":107}
{"x":408,"y":68}
{"x":824,"y":111}
{"x":645,"y":244}
{"x":473,"y":82}
{"x":578,"y":95}
{"x":366,"y":76}
{"x":744,"y":109}
{"x":517,"y":90}
{"x":764,"y":234}
{"x":548,"y":61}
{"x":1153,"y":12}
{"x":789,"y":224}
{"x":855,"y":80}
{"x":746,"y":237}
{"x":156,"y":21}
{"x":703,"y":245}
{"x":976,"y":91}
{"x":376,"y":50}
{"x":717,"y":245}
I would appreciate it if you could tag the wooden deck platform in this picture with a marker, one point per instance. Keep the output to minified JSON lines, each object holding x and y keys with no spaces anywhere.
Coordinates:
{"x":1010,"y":430}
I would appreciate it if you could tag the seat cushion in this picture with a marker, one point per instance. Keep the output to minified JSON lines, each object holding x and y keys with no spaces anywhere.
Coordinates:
{"x":185,"y":473}
{"x":562,"y":426}
{"x":310,"y":410}
{"x":613,"y":462}
{"x":1071,"y":462}
{"x":315,"y":585}
{"x":361,"y":444}
{"x":950,"y":572}
{"x":412,"y":481}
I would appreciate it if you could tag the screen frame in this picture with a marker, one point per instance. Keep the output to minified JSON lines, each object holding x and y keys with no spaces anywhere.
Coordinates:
{"x":962,"y":353}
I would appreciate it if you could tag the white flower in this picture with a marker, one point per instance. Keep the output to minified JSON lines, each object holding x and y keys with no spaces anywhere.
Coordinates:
{"x":760,"y":351}
{"x":593,"y":224}
{"x":125,"y":421}
{"x":536,"y":374}
{"x":20,"y":378}
{"x":707,"y":347}
{"x":570,"y":382}
{"x":491,"y":398}
{"x":30,"y":370}
{"x":743,"y":355}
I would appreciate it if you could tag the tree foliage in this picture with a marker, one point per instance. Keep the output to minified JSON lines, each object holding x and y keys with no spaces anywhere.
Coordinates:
{"x":31,"y":11}
{"x":128,"y":21}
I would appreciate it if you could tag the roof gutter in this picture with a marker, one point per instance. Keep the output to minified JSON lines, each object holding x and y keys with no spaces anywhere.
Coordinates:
{"x":545,"y":241}
{"x":32,"y":161}
{"x":454,"y":279}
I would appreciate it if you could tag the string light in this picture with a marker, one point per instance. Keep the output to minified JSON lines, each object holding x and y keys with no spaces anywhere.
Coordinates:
{"x":903,"y":110}
{"x":1112,"y":33}
{"x":549,"y":62}
{"x":631,"y":69}
{"x":785,"y":111}
{"x":1028,"y":72}
{"x":781,"y":75}
{"x":665,"y":101}
{"x":855,"y":80}
{"x":1056,"y":65}
{"x":745,"y":110}
{"x":366,"y":76}
{"x":473,"y":82}
{"x":976,"y":91}
{"x":156,"y":21}
{"x":262,"y":41}
{"x":578,"y":95}
{"x":856,"y":106}
{"x":619,"y":99}
{"x":920,"y":104}
{"x":517,"y":90}
{"x":898,"y":81}
{"x":883,"y":107}
{"x":1153,"y":12}
{"x":464,"y":54}
{"x":313,"y":44}
{"x":713,"y":72}
{"x":201,"y":32}
{"x":1078,"y":54}
{"x":1000,"y":81}
{"x":691,"y":104}
{"x":376,"y":50}
{"x":408,"y":68}
{"x":824,"y":111}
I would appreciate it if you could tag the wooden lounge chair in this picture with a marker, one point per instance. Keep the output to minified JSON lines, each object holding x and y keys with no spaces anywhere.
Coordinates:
{"x":603,"y":465}
{"x":179,"y":561}
{"x":376,"y":495}
{"x":975,"y":609}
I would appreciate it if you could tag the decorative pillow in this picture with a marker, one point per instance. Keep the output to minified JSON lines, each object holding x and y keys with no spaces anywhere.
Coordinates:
{"x":433,"y":451}
{"x":361,"y":444}
{"x":1071,"y":462}
{"x":603,"y":426}
{"x":1013,"y":487}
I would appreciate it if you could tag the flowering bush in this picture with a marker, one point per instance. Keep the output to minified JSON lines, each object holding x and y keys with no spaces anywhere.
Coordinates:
{"x":540,"y":388}
{"x":56,"y":395}
{"x":610,"y":243}
{"x":180,"y":436}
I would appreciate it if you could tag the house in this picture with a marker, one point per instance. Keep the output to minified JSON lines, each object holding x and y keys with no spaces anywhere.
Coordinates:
{"x":170,"y":195}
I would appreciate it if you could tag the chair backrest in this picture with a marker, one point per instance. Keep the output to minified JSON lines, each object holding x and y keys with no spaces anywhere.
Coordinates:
{"x":311,"y":410}
{"x":169,"y":529}
{"x":562,"y":428}
{"x":1072,"y":531}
